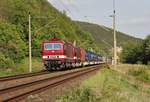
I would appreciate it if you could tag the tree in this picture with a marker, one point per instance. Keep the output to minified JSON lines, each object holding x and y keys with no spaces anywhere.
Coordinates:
{"x":12,"y":48}
{"x":132,"y":52}
{"x":146,"y":50}
{"x":137,"y":52}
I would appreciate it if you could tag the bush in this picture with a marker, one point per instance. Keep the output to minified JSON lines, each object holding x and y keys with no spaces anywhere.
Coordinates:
{"x":5,"y":62}
{"x":80,"y":95}
{"x":148,"y":63}
{"x":12,"y":48}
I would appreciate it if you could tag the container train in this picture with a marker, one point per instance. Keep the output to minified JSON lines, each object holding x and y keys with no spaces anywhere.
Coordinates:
{"x":58,"y":54}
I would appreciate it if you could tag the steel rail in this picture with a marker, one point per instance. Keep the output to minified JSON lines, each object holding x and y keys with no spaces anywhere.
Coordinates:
{"x":14,"y":77}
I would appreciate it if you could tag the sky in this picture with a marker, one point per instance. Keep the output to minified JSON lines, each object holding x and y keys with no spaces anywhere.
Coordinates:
{"x":132,"y":16}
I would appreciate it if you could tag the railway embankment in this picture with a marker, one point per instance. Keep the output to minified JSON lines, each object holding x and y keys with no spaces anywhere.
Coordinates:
{"x":128,"y":83}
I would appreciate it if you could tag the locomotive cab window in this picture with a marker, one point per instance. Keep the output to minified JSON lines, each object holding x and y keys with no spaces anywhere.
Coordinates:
{"x":50,"y":46}
{"x":57,"y":46}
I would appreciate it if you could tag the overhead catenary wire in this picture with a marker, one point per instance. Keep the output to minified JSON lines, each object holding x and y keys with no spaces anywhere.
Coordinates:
{"x":45,"y":25}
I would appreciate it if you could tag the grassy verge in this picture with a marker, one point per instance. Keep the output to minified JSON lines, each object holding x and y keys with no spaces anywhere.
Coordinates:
{"x":141,"y":73}
{"x":108,"y":86}
{"x":22,"y":67}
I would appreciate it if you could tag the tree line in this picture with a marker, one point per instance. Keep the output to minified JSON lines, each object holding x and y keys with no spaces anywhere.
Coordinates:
{"x":136,"y":53}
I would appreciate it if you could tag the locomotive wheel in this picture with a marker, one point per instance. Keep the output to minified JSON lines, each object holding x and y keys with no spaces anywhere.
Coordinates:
{"x":48,"y":68}
{"x":62,"y":67}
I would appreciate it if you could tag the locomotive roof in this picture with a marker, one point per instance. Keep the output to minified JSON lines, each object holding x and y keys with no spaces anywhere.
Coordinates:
{"x":54,"y":41}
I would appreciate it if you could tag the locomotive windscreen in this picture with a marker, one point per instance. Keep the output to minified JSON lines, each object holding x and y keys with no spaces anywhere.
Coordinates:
{"x":52,"y":46}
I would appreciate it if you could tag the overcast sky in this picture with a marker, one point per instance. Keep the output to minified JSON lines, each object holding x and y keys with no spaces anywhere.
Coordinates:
{"x":133,"y":16}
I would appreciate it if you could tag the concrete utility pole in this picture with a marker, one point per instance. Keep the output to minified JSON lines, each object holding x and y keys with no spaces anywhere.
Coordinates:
{"x":30,"y":37}
{"x":30,"y":51}
{"x":115,"y":40}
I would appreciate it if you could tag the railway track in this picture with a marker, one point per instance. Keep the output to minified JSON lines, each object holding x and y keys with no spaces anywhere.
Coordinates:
{"x":21,"y":91}
{"x":22,"y":76}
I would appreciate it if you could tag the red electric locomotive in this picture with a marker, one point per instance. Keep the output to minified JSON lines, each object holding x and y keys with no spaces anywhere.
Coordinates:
{"x":58,"y":54}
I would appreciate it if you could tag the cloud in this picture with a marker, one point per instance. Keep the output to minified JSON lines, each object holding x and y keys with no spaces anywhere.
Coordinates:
{"x":68,"y":2}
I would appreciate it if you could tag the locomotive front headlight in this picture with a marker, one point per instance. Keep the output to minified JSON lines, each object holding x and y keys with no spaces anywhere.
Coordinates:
{"x":62,"y":56}
{"x":44,"y":57}
{"x":74,"y":57}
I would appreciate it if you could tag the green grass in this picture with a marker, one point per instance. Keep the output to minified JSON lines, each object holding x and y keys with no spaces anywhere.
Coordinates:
{"x":141,"y":74}
{"x":108,"y":86}
{"x":22,"y":67}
